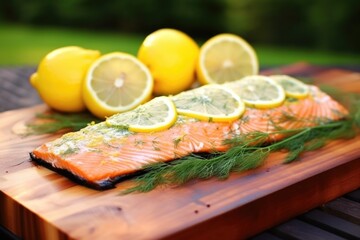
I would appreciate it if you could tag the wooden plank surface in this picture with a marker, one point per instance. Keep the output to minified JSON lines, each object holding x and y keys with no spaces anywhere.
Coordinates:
{"x":322,"y":223}
{"x":15,"y":88}
{"x":295,"y":229}
{"x":346,"y":208}
{"x":339,"y":225}
{"x":37,"y":203}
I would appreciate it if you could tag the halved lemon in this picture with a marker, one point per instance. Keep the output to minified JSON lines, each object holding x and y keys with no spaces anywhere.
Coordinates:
{"x":226,"y":58}
{"x":258,"y":91}
{"x":116,"y":82}
{"x":293,"y":87}
{"x":210,"y":103}
{"x":155,"y":115}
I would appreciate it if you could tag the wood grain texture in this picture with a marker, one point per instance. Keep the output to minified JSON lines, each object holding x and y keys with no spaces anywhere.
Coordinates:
{"x":36,"y":203}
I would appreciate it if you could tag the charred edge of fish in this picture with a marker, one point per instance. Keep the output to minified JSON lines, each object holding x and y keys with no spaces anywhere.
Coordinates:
{"x":100,"y":185}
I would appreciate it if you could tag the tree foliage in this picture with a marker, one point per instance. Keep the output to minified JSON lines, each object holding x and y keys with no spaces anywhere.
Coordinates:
{"x":331,"y":25}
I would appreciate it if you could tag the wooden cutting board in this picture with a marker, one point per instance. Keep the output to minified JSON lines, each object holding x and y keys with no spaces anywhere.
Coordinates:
{"x":36,"y":203}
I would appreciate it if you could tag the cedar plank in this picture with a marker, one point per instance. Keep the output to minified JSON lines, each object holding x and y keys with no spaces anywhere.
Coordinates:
{"x":267,"y":196}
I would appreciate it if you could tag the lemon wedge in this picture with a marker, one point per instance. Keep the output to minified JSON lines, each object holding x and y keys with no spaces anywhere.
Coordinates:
{"x":293,"y":87}
{"x":155,"y":115}
{"x":226,"y":58}
{"x":116,"y":82}
{"x":258,"y":91}
{"x":210,"y":103}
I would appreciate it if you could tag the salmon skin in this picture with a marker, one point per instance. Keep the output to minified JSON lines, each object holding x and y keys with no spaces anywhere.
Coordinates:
{"x":99,"y":156}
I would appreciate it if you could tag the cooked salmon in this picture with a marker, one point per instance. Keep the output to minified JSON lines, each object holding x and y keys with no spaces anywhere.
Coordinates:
{"x":99,"y":155}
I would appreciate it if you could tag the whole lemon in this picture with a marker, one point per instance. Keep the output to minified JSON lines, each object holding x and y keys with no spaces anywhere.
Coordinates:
{"x":59,"y":77}
{"x":171,"y":56}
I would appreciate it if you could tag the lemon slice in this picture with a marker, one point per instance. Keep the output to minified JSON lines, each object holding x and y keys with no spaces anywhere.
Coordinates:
{"x":116,"y":82}
{"x":155,"y":115}
{"x":293,"y":87}
{"x":210,"y":103}
{"x":258,"y":91}
{"x":226,"y":58}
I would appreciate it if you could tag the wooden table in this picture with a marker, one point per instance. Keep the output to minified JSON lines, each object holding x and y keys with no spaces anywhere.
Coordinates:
{"x":36,"y":203}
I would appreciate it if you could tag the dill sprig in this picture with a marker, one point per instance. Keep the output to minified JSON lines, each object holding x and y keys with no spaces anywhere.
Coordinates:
{"x":54,"y":122}
{"x":240,"y":157}
{"x":249,"y":151}
{"x":350,"y":100}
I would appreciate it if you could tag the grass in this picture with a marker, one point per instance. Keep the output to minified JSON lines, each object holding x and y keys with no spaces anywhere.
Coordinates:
{"x":26,"y":45}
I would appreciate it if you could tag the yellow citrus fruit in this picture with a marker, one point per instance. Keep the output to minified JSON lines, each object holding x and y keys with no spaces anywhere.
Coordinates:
{"x":171,"y":56}
{"x":225,"y":58}
{"x":293,"y":87}
{"x":155,"y":115}
{"x":116,"y":82}
{"x":210,"y":103}
{"x":59,"y":77}
{"x":258,"y":91}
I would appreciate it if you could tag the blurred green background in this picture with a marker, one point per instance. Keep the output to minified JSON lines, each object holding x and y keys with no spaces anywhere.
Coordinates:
{"x":281,"y":31}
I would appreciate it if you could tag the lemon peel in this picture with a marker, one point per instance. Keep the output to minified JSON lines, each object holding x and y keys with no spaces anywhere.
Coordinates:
{"x":59,"y":77}
{"x":171,"y":56}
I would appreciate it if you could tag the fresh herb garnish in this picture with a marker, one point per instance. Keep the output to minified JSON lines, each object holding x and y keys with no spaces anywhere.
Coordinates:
{"x":54,"y":122}
{"x":242,"y":156}
{"x":249,"y":151}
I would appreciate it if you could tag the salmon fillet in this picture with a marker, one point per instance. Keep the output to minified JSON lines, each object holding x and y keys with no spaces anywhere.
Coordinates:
{"x":100,"y":156}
